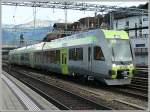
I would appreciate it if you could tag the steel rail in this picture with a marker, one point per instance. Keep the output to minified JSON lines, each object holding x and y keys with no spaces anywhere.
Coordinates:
{"x":92,"y":103}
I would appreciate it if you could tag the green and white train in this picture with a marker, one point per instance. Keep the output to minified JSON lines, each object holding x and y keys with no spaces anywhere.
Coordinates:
{"x":103,"y":55}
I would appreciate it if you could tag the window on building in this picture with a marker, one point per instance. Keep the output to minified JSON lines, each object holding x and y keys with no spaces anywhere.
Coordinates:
{"x":127,"y":23}
{"x":98,"y":54}
{"x":136,"y":33}
{"x":145,"y":35}
{"x":116,"y":24}
{"x":140,"y":21}
{"x":135,"y":25}
{"x":145,"y":19}
{"x":141,"y":51}
{"x":140,"y":33}
{"x":146,"y":50}
{"x":140,"y":45}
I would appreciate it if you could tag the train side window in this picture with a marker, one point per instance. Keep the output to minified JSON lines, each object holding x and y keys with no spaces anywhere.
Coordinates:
{"x":72,"y":54}
{"x":36,"y":60}
{"x":22,"y":57}
{"x":65,"y":61}
{"x":26,"y":57}
{"x":89,"y":53}
{"x":98,"y":54}
{"x":57,"y":56}
{"x":79,"y":53}
{"x":76,"y":54}
{"x":62,"y":59}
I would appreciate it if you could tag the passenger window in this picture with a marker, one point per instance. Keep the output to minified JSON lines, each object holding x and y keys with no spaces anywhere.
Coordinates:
{"x":79,"y":53}
{"x":57,"y":56}
{"x":22,"y":57}
{"x":71,"y":53}
{"x":89,"y":53}
{"x":76,"y":54}
{"x":62,"y":57}
{"x":65,"y":60}
{"x":98,"y":54}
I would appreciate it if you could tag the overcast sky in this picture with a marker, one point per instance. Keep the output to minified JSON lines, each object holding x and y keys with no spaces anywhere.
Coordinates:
{"x":20,"y":15}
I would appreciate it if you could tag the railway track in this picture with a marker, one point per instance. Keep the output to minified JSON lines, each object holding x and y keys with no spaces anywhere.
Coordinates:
{"x":138,"y":88}
{"x":133,"y":93}
{"x":139,"y":83}
{"x":141,"y":72}
{"x":140,"y":79}
{"x":126,"y":91}
{"x":63,"y":99}
{"x":129,"y":90}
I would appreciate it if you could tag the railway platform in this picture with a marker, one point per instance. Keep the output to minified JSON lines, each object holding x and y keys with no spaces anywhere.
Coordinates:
{"x":17,"y":96}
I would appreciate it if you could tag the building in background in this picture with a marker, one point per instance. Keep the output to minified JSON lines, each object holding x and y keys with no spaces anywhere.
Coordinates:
{"x":136,"y":25}
{"x":137,"y":28}
{"x":60,"y":30}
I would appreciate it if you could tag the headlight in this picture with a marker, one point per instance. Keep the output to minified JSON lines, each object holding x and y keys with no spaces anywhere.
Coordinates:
{"x":113,"y":65}
{"x":131,"y":65}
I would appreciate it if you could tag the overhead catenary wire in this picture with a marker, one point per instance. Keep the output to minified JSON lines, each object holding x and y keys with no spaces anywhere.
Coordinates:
{"x":79,"y":6}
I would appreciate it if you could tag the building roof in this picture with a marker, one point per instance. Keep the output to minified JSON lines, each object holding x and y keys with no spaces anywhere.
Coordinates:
{"x":120,"y":15}
{"x":61,"y":25}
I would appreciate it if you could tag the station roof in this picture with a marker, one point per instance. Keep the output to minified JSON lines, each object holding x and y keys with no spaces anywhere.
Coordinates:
{"x":73,"y":5}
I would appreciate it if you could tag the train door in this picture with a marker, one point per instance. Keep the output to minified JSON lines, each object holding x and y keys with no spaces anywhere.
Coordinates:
{"x":99,"y":63}
{"x":64,"y":64}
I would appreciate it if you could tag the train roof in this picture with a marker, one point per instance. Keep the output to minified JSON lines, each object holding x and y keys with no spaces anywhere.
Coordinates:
{"x":109,"y":34}
{"x":73,"y":40}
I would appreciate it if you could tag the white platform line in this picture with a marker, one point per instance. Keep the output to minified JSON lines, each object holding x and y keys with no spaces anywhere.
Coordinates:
{"x":23,"y":97}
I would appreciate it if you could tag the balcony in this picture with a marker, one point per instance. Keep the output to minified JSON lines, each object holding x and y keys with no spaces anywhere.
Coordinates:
{"x":141,"y":36}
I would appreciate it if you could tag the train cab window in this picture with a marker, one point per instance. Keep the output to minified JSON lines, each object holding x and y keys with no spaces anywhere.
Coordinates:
{"x":98,"y":54}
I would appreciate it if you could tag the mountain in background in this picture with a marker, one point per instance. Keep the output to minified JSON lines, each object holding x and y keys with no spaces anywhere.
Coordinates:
{"x":38,"y":23}
{"x":11,"y":33}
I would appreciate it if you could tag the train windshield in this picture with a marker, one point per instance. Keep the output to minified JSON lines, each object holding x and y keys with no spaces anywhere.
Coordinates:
{"x":121,"y":51}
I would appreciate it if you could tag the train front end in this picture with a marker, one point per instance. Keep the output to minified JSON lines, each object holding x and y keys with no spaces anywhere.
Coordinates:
{"x":122,"y":67}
